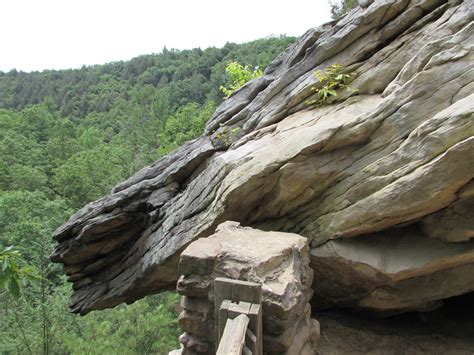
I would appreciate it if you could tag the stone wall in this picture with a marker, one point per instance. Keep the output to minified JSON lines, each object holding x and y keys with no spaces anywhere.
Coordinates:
{"x":279,"y":261}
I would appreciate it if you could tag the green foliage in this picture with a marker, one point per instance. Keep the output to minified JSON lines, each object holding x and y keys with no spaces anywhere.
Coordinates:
{"x":29,"y":218}
{"x":186,"y":124}
{"x":88,"y":174}
{"x":331,"y":80}
{"x":66,"y":138}
{"x":185,"y":76}
{"x":14,"y":271}
{"x":341,"y":7}
{"x":226,"y":135}
{"x":238,"y":76}
{"x":148,"y":326}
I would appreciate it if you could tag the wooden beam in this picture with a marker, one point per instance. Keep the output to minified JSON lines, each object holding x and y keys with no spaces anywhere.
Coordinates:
{"x":251,"y":341}
{"x":221,"y":320}
{"x":233,"y":339}
{"x":255,"y":325}
{"x":235,"y":291}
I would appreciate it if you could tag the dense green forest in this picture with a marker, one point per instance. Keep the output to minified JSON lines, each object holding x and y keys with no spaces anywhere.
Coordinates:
{"x":66,"y":138}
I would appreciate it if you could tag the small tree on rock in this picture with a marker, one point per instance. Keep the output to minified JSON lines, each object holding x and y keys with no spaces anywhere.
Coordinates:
{"x":238,"y":76}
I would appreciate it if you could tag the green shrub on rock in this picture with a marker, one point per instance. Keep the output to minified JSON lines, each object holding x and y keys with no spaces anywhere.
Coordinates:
{"x":238,"y":76}
{"x":334,"y":78}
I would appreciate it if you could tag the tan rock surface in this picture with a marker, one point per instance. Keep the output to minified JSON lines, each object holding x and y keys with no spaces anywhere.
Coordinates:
{"x":399,"y":269}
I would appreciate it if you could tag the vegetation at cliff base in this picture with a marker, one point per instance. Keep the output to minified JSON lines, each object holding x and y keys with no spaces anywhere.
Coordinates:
{"x":66,"y":138}
{"x":13,"y":272}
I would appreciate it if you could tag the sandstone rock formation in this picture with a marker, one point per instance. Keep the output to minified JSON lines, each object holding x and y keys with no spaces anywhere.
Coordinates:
{"x":277,"y":261}
{"x":380,"y":181}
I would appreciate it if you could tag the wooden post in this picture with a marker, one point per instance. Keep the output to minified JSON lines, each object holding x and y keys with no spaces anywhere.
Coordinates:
{"x":236,"y":291}
{"x":234,"y":298}
{"x":255,"y":326}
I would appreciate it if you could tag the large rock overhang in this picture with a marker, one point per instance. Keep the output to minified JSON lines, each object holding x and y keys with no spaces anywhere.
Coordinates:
{"x":356,"y":177}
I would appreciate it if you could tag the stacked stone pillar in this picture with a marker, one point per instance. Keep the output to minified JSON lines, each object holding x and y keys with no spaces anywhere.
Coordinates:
{"x":278,"y":261}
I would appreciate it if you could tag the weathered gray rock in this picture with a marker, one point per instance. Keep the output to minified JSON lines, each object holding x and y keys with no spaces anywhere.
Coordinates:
{"x":456,"y":222}
{"x":398,"y":152}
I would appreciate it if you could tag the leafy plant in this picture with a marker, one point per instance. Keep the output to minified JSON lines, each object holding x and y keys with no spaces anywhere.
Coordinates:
{"x":12,"y":274}
{"x":334,"y":78}
{"x":238,"y":76}
{"x":226,"y":135}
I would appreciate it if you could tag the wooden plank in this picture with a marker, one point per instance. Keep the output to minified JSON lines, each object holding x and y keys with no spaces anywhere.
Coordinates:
{"x":222,"y":291}
{"x":235,"y":291}
{"x":229,"y":310}
{"x":233,"y":339}
{"x":222,"y":319}
{"x":250,"y":341}
{"x":255,"y":325}
{"x":235,"y":309}
{"x":246,"y":292}
{"x":246,"y":351}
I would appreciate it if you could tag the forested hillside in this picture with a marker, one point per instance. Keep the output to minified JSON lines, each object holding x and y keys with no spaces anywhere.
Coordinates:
{"x":66,"y":138}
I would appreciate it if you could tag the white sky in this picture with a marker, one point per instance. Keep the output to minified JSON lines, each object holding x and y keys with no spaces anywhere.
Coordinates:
{"x":59,"y":34}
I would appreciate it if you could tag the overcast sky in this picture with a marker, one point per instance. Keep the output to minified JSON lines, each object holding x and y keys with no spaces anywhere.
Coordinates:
{"x":59,"y":34}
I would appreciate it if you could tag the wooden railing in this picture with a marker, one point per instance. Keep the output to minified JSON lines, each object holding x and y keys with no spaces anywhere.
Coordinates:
{"x":233,"y":340}
{"x":238,"y":313}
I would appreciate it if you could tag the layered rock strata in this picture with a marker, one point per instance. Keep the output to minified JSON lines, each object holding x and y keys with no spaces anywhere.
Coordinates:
{"x":376,"y":166}
{"x":389,"y":271}
{"x":277,"y":261}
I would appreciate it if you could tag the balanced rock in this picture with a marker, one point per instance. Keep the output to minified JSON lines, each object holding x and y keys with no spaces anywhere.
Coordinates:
{"x":383,"y":172}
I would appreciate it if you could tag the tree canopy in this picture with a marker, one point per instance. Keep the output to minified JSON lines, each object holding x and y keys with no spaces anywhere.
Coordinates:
{"x":66,"y":138}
